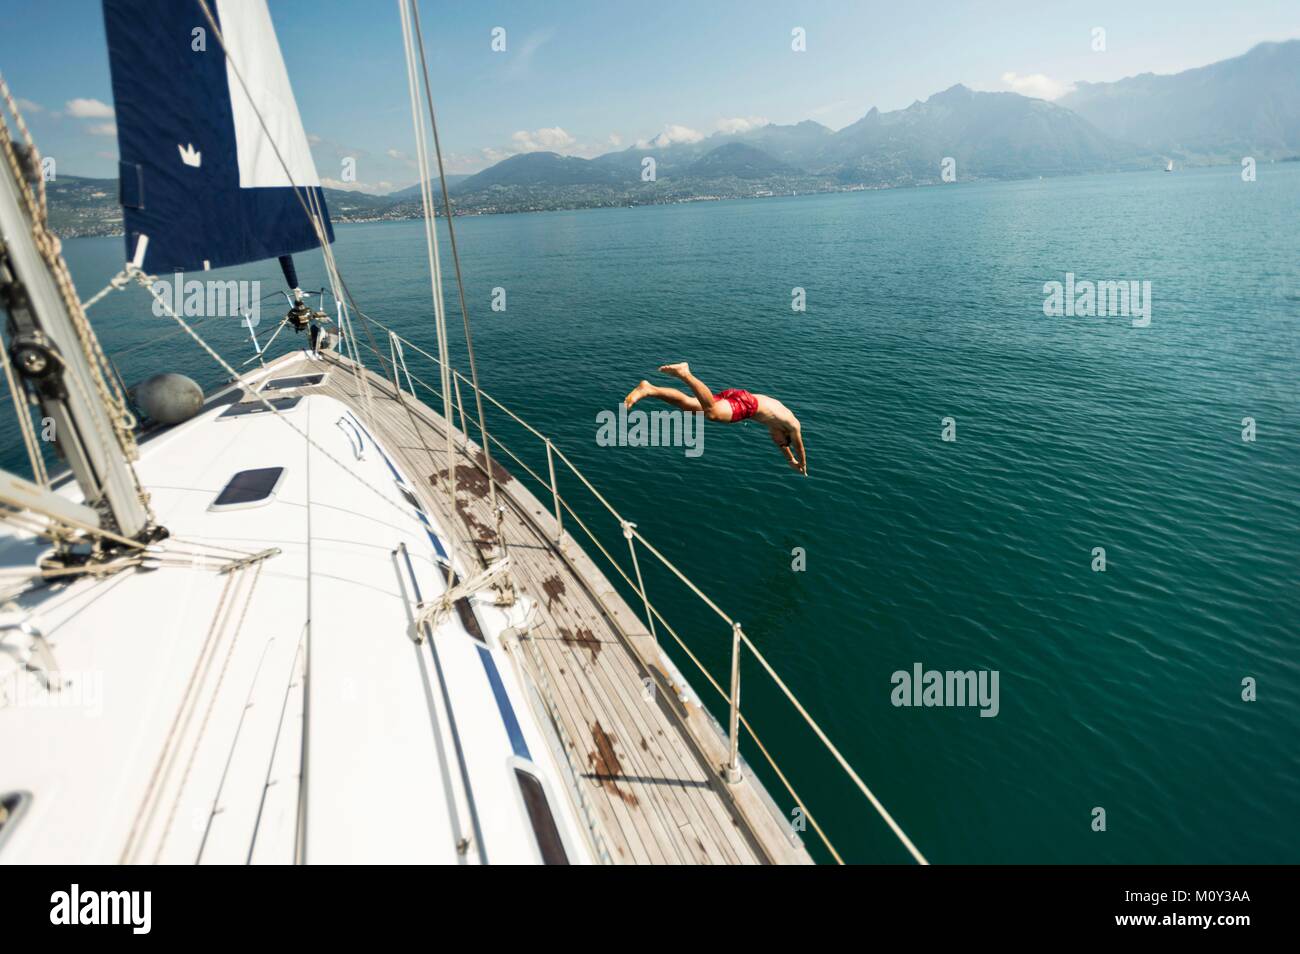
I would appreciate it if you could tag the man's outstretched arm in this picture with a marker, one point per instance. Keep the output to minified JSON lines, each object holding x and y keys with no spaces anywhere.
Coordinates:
{"x":803,"y":454}
{"x":789,"y":457}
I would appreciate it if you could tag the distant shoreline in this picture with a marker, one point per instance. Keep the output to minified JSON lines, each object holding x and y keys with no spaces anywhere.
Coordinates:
{"x":416,"y":214}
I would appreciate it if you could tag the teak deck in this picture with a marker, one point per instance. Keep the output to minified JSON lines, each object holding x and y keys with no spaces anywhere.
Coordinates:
{"x":647,"y":763}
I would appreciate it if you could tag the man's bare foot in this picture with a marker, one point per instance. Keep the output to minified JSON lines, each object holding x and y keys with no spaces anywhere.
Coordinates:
{"x":678,"y":370}
{"x":643,"y":389}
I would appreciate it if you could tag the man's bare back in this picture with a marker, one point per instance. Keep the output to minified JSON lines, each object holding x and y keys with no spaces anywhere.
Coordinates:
{"x":730,"y":406}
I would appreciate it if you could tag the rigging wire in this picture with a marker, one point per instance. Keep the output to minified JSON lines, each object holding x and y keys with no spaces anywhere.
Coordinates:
{"x":337,"y":284}
{"x":431,"y":246}
{"x":316,"y":221}
{"x":460,"y":283}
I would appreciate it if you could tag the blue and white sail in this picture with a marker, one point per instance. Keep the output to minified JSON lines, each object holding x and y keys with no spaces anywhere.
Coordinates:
{"x":215,"y":167}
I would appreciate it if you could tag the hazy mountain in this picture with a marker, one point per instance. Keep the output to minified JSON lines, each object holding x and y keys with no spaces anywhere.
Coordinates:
{"x":1000,"y":135}
{"x":625,"y":165}
{"x":793,"y":145}
{"x":537,"y":168}
{"x":990,"y":135}
{"x":1248,"y":105}
{"x":1245,"y":106}
{"x":413,"y":191}
{"x":737,"y":159}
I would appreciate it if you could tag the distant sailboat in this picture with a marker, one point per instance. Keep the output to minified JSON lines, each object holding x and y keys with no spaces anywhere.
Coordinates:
{"x":1169,"y":166}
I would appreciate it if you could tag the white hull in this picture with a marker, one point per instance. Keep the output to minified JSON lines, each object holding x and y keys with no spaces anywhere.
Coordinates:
{"x":196,"y":702}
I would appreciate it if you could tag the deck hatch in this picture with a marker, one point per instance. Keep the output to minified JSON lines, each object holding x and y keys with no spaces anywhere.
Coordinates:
{"x":539,"y":814}
{"x":249,"y":488}
{"x":296,"y":381}
{"x":257,"y":407}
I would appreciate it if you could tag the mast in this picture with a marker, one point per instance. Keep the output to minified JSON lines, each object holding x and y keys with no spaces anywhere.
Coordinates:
{"x":47,"y":353}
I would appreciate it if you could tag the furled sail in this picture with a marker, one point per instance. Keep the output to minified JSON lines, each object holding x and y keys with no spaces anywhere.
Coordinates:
{"x":215,"y":167}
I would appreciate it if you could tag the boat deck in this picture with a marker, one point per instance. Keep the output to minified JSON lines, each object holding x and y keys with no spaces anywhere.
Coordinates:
{"x":646,"y":756}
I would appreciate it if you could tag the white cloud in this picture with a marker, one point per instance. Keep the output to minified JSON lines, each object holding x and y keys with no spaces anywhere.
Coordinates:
{"x":519,"y":61}
{"x":676,"y":133}
{"x":27,"y":106}
{"x":546,"y":139}
{"x":103,"y":129}
{"x":741,"y":124}
{"x":552,"y":139}
{"x":313,"y":139}
{"x":396,"y":154}
{"x":672,"y":135}
{"x":89,"y":109}
{"x":1037,"y":85}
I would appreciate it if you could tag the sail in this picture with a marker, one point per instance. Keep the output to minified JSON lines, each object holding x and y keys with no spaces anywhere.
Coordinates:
{"x":214,"y":166}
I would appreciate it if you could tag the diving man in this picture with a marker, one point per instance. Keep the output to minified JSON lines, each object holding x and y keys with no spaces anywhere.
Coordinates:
{"x":730,"y":406}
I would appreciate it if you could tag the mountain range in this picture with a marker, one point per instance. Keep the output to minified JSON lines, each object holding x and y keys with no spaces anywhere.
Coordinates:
{"x":1245,"y":106}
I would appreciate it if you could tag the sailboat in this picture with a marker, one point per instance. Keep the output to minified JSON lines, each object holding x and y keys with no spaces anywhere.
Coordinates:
{"x":306,"y":618}
{"x":1169,"y":166}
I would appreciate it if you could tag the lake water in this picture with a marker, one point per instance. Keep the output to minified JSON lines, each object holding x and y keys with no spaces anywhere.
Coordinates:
{"x":1119,"y":690}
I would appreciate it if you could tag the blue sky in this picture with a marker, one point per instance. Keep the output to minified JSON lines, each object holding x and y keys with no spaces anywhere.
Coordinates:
{"x":586,"y":77}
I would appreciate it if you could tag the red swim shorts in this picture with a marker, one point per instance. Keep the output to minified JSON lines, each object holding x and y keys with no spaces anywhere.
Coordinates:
{"x":743,"y":404}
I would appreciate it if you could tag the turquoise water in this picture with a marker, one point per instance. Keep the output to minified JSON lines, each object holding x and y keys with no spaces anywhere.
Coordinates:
{"x":1118,"y":689}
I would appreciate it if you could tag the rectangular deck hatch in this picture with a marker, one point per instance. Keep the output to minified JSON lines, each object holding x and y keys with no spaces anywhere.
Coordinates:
{"x":297,"y":381}
{"x":257,"y":407}
{"x":249,"y":488}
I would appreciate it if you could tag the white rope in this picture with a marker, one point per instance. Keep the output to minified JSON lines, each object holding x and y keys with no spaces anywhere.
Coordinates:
{"x":437,"y":610}
{"x":117,"y":282}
